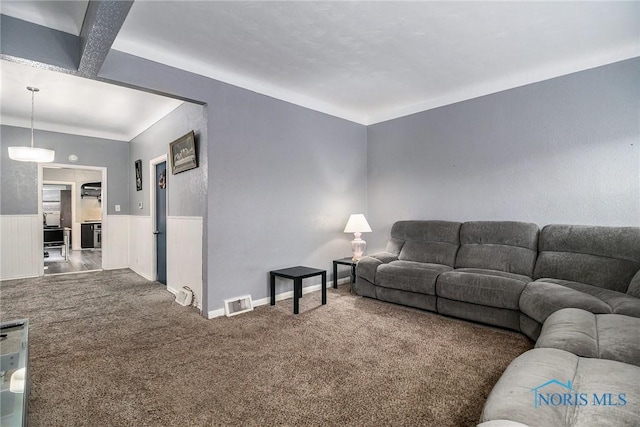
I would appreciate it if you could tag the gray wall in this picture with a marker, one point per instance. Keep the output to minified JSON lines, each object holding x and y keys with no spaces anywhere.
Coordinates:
{"x":19,"y":180}
{"x":566,"y":150}
{"x":282,"y":180}
{"x":187,"y":190}
{"x":42,"y":43}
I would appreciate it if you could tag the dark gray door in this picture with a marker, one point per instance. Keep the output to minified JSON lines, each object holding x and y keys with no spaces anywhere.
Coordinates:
{"x":161,"y":222}
{"x":65,"y":208}
{"x":65,"y":213}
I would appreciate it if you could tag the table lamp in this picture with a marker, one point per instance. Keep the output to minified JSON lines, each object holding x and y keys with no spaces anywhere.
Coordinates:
{"x":357,"y":225}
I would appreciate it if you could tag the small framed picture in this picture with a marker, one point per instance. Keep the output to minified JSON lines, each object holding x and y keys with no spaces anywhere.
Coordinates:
{"x":183,"y":153}
{"x":138,"y":175}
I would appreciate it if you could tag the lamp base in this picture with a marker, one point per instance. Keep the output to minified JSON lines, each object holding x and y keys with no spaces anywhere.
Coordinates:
{"x":358,"y":247}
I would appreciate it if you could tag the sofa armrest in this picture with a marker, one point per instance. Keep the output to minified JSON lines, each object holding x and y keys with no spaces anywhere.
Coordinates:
{"x":368,"y":265}
{"x":385,"y":257}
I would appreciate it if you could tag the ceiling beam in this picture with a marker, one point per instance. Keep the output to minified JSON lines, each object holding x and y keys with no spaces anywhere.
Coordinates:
{"x":101,"y":25}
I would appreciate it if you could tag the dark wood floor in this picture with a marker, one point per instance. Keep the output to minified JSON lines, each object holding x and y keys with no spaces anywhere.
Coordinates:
{"x":85,"y":260}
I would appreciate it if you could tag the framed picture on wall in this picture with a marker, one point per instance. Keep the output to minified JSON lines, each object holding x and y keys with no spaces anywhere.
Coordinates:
{"x":138,"y":175}
{"x":183,"y":153}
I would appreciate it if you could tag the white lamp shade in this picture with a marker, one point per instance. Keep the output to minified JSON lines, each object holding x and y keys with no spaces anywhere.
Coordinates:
{"x":357,"y":224}
{"x":31,"y":154}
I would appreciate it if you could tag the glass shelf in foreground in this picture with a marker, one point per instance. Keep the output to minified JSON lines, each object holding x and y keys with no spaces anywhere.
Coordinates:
{"x":14,"y":387}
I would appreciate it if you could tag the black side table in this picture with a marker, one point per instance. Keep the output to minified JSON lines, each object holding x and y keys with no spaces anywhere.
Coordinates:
{"x":297,"y":274}
{"x":344,"y":261}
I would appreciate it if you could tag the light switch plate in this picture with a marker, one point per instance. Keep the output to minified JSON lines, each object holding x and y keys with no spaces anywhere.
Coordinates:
{"x":117,"y":208}
{"x":139,"y":205}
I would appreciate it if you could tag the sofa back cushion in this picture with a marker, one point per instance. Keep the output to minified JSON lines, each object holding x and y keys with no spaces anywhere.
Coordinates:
{"x":427,"y":241}
{"x":607,"y":257}
{"x":498,"y":245}
{"x":394,"y":246}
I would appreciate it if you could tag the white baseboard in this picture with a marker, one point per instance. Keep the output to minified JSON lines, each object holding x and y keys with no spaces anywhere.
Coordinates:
{"x":215,"y":313}
{"x":18,"y":277}
{"x":281,"y":296}
{"x":141,"y":273}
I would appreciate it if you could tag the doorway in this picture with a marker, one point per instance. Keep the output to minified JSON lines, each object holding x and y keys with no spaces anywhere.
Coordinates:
{"x":159,"y":216}
{"x":72,"y":206}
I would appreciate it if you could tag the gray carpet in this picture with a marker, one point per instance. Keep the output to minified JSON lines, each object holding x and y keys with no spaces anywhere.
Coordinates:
{"x":112,"y":349}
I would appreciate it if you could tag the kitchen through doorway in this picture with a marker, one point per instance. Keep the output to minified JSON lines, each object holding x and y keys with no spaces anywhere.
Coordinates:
{"x":72,"y":210}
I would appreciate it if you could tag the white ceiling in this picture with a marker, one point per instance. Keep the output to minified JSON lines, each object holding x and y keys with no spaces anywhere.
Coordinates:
{"x":374,"y":60}
{"x":75,"y":105}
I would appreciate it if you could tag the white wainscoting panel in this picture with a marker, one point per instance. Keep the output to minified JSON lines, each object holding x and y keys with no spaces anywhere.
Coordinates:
{"x":115,"y":242}
{"x":21,"y":253}
{"x":141,"y":245}
{"x":184,"y":254}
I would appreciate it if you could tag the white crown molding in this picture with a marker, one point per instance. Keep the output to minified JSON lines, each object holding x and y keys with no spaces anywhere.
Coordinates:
{"x":234,"y":79}
{"x":126,"y":135}
{"x":462,"y":94}
{"x":61,"y":128}
{"x":510,"y":82}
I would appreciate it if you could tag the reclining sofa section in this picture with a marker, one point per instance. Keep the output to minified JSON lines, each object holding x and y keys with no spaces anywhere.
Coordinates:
{"x":506,"y":273}
{"x":494,"y":263}
{"x":416,"y":254}
{"x":596,"y":269}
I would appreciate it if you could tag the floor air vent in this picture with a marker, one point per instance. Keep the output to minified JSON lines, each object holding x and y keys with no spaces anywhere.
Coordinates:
{"x":238,"y":305}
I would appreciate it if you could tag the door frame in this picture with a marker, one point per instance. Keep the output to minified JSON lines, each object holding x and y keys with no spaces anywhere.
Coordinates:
{"x":103,"y":208}
{"x":152,"y":210}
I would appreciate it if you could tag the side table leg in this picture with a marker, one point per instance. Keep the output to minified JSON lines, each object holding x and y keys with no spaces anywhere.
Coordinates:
{"x":353,"y":277}
{"x":324,"y":286}
{"x":335,"y":275}
{"x":273,"y":289}
{"x":297,"y":290}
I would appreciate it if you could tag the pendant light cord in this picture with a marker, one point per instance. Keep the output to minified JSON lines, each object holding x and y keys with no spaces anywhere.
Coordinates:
{"x":33,"y":91}
{"x":33,"y":96}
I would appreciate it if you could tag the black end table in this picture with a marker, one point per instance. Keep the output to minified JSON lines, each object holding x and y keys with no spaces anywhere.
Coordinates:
{"x":297,"y":274}
{"x":344,"y":261}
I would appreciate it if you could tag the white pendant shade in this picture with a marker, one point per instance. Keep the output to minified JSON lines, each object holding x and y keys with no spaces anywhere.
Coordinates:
{"x":31,"y":154}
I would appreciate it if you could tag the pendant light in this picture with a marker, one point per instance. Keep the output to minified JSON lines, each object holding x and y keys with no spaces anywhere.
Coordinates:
{"x":31,"y":154}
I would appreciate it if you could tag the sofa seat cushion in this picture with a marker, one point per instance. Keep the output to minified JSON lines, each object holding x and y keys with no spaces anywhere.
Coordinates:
{"x":541,"y":298}
{"x":484,"y":287}
{"x":605,"y":336}
{"x":410,"y":276}
{"x":563,"y":378}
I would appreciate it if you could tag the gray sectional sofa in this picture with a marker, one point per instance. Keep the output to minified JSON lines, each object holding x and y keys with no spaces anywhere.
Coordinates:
{"x":575,"y":289}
